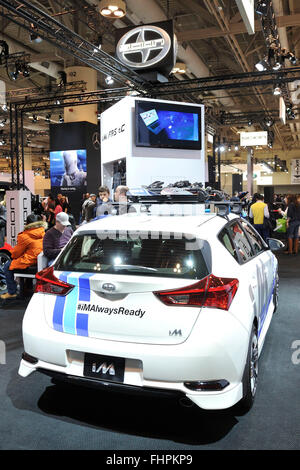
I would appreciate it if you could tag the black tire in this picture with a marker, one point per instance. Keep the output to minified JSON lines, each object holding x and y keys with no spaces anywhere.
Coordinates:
{"x":275,"y":293}
{"x":250,"y":375}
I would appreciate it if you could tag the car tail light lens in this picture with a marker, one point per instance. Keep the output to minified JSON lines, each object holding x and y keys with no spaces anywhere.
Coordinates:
{"x":47,"y":283}
{"x":212,"y":291}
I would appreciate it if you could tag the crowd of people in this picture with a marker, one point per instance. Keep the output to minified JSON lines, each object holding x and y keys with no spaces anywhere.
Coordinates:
{"x":52,"y":225}
{"x":264,"y":216}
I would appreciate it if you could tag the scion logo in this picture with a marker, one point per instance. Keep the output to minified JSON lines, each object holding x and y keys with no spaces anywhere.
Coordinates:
{"x":143,"y":46}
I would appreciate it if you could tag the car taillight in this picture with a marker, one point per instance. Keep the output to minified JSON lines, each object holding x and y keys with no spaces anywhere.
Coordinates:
{"x":47,"y":283}
{"x":212,"y":291}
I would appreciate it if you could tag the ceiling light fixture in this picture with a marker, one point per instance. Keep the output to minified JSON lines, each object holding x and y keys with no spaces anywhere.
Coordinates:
{"x":109,"y":80}
{"x":277,"y":90}
{"x":112,"y":8}
{"x":262,"y":65}
{"x":262,"y":8}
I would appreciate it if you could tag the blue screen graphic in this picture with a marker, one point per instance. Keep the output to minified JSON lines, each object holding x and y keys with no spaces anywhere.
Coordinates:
{"x":59,"y":161}
{"x":167,"y":126}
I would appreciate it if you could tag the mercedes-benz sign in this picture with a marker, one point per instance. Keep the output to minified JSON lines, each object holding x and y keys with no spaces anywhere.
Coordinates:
{"x":143,"y":46}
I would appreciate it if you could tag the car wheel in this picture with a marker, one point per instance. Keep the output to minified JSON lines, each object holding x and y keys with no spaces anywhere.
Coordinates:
{"x":275,"y":293}
{"x":250,"y":373}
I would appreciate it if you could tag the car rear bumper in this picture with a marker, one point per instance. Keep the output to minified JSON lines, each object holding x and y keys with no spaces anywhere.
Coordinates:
{"x":216,"y":349}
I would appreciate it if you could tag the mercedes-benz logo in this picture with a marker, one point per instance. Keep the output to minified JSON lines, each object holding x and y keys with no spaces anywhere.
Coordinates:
{"x":96,"y":140}
{"x":143,"y":46}
{"x":109,"y":287}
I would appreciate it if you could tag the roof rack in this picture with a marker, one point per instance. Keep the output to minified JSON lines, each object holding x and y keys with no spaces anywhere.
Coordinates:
{"x":223,"y":207}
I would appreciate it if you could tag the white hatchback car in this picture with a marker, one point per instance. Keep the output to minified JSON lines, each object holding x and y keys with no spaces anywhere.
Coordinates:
{"x":146,"y":303}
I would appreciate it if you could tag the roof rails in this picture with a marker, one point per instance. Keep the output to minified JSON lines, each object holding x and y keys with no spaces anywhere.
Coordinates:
{"x":223,"y":207}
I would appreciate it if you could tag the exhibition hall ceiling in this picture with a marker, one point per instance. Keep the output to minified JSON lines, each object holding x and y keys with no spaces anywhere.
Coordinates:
{"x":212,"y":38}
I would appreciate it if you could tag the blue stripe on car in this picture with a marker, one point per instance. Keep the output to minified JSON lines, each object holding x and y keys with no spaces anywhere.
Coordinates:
{"x":59,"y":306}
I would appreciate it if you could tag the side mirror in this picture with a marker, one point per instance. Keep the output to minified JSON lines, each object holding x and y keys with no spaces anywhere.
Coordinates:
{"x":274,"y":244}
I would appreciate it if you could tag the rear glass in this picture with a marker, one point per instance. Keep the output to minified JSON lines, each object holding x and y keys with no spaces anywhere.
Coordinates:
{"x":172,"y":257}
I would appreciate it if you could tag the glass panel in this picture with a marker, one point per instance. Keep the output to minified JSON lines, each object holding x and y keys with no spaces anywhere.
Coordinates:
{"x":171,"y":257}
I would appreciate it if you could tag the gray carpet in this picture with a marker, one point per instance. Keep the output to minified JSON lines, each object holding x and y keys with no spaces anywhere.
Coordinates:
{"x":36,"y":414}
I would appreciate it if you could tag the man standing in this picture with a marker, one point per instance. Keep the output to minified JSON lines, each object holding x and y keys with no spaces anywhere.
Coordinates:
{"x":258,"y":212}
{"x":89,"y":208}
{"x":57,"y":237}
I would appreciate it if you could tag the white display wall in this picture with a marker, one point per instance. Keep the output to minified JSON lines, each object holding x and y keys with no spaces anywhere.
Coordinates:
{"x":18,"y":207}
{"x":145,"y":165}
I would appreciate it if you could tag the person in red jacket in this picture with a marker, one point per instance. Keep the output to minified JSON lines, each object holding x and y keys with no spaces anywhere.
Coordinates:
{"x":24,"y":254}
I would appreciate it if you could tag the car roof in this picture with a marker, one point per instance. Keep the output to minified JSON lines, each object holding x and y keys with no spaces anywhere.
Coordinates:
{"x":180,"y":224}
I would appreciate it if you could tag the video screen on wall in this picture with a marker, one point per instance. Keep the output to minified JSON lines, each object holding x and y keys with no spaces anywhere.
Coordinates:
{"x":167,"y":125}
{"x":68,"y":168}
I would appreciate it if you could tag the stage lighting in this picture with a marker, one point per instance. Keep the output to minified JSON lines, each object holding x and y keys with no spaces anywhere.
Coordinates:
{"x":262,"y":8}
{"x":262,"y":65}
{"x":61,"y":119}
{"x":112,"y":8}
{"x":277,"y":91}
{"x":48,"y":117}
{"x":109,"y":80}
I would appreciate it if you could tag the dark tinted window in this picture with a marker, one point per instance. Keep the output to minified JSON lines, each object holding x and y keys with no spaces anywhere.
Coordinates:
{"x":228,"y":243}
{"x":171,"y":257}
{"x":240,"y":241}
{"x":257,"y":242}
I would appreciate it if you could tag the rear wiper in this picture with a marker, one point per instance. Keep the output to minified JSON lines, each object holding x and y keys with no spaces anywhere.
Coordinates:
{"x":132,"y":267}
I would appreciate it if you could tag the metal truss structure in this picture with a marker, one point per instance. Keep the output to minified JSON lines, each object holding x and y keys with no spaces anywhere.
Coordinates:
{"x":15,"y":95}
{"x":27,"y":16}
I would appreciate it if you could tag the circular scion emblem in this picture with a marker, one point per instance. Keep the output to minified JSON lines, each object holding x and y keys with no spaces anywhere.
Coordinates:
{"x":143,"y":46}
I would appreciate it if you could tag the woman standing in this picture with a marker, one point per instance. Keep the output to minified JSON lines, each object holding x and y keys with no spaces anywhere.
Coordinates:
{"x":293,"y":224}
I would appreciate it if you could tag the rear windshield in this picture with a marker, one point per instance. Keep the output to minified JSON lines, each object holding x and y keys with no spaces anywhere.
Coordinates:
{"x":161,"y":257}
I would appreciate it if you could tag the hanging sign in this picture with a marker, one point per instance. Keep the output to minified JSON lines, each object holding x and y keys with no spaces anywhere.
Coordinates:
{"x":295,"y":171}
{"x":251,"y":139}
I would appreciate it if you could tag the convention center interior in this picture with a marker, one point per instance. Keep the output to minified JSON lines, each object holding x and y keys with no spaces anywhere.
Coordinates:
{"x":149,"y":227}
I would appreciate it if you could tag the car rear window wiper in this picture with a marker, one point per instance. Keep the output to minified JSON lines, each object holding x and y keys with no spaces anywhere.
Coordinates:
{"x":133,"y":267}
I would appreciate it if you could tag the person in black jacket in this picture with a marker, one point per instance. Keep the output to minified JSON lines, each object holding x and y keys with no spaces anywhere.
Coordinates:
{"x":293,"y":224}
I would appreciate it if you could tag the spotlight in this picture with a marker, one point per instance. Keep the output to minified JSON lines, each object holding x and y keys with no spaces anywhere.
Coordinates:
{"x":236,"y":147}
{"x":33,"y":36}
{"x":61,"y":119}
{"x":112,"y":8}
{"x":4,"y":107}
{"x":62,"y":80}
{"x":250,"y":122}
{"x":269,"y":122}
{"x":109,"y":80}
{"x":14,"y":74}
{"x":222,"y":148}
{"x":48,"y":116}
{"x":5,"y":49}
{"x":34,"y":118}
{"x":25,"y":71}
{"x":262,"y":65}
{"x":293,"y":59}
{"x":262,"y":8}
{"x":57,"y":102}
{"x":277,"y":91}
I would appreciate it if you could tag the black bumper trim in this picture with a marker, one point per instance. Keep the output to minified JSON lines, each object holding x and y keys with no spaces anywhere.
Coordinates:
{"x":112,"y":386}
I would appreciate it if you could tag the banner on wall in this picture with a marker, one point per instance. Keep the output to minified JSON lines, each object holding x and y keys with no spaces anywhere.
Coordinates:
{"x":295,"y":171}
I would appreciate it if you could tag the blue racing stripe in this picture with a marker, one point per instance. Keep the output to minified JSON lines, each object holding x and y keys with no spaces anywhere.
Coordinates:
{"x":58,"y":311}
{"x":69,"y":319}
{"x":84,"y":287}
{"x":82,"y":321}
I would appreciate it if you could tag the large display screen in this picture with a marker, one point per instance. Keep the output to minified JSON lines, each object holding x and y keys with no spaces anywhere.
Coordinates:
{"x":68,"y":168}
{"x":167,"y":125}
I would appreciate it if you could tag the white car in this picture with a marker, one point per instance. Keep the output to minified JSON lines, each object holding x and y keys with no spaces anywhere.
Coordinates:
{"x":145,"y":303}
